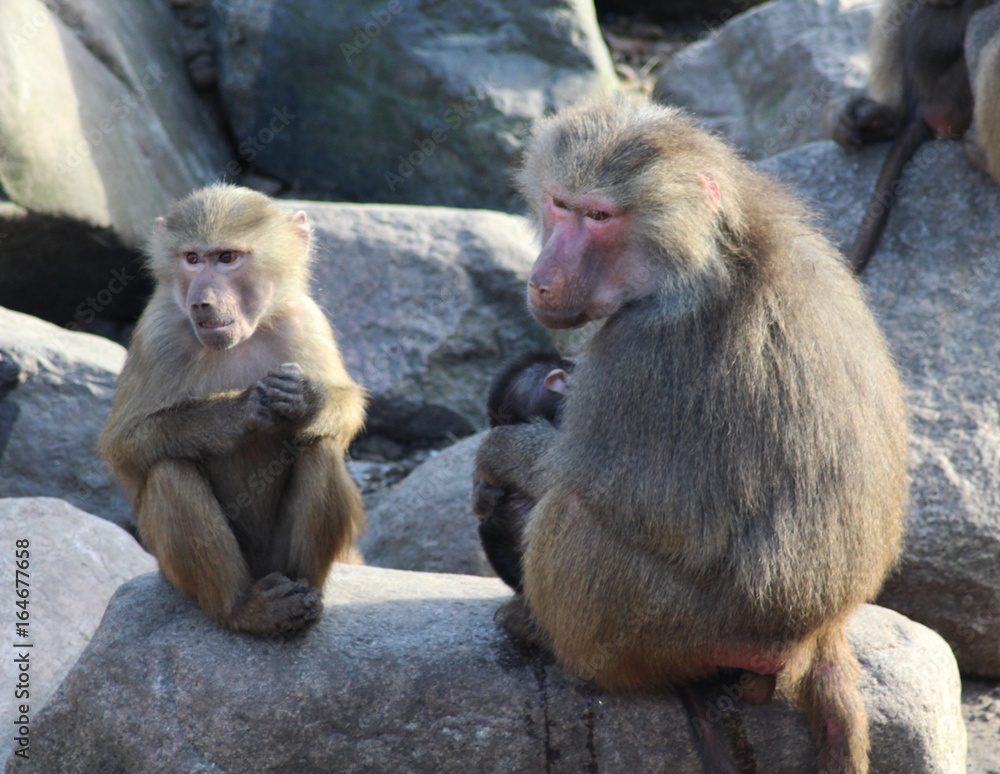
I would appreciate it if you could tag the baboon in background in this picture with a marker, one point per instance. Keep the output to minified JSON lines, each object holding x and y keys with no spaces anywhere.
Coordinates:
{"x":982,"y":52}
{"x":729,"y":479}
{"x":531,"y":387}
{"x":232,"y":415}
{"x":920,"y":87}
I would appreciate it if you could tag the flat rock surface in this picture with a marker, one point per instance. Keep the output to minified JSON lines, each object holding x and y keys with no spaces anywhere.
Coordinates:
{"x":407,"y":672}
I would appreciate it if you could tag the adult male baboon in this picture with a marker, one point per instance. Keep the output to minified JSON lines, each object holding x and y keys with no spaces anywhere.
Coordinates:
{"x":920,"y":88}
{"x":232,"y":415}
{"x":729,"y":478}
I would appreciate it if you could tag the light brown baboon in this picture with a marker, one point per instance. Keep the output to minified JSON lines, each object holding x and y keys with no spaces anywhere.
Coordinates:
{"x":919,"y":88}
{"x":729,"y":479}
{"x":982,"y":51}
{"x":232,"y":415}
{"x":531,"y":387}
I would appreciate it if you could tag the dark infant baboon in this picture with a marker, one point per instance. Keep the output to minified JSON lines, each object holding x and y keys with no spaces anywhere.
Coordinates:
{"x":531,"y":387}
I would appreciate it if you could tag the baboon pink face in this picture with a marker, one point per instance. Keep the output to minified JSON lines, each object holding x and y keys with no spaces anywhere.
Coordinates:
{"x":222,"y":294}
{"x":588,"y":267}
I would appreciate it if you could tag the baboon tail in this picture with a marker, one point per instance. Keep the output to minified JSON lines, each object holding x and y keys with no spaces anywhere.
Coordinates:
{"x":914,"y":134}
{"x":716,"y":734}
{"x":830,"y":697}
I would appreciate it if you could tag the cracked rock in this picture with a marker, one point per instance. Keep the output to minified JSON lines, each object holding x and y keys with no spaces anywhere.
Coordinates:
{"x":407,"y":672}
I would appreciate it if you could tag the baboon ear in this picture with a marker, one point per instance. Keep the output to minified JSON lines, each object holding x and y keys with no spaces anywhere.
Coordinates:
{"x":557,"y":381}
{"x":161,"y":222}
{"x":713,"y":189}
{"x":301,"y":220}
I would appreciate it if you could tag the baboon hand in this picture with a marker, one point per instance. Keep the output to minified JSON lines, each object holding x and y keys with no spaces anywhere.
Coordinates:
{"x":501,"y":455}
{"x":285,"y":393}
{"x":486,"y":498}
{"x":859,"y":120}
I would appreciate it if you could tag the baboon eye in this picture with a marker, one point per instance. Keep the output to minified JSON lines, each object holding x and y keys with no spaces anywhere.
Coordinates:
{"x":227,"y":257}
{"x":598,"y":215}
{"x":560,"y":204}
{"x":191,"y":257}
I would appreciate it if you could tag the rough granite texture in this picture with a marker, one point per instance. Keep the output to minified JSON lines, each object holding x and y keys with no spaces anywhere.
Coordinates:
{"x":407,"y":672}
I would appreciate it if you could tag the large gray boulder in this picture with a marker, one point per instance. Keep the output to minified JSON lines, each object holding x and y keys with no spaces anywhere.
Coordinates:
{"x":71,"y":565}
{"x":765,"y":79}
{"x":56,"y":389}
{"x":101,"y":131}
{"x":425,"y":522}
{"x":709,"y":11}
{"x":390,"y":101}
{"x":933,"y":285}
{"x":407,"y":672}
{"x":98,"y":118}
{"x":427,"y":303}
